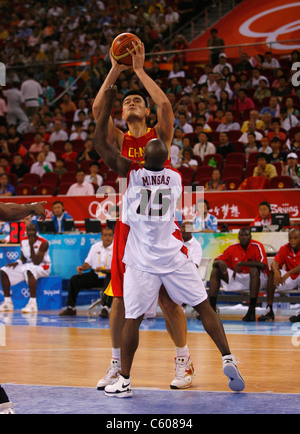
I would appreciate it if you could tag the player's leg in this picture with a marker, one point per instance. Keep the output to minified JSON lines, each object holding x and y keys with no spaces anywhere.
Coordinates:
{"x":176,"y":325}
{"x":31,"y":306}
{"x":116,"y":322}
{"x":215,"y":283}
{"x":6,"y":406}
{"x":254,"y":287}
{"x":7,"y":305}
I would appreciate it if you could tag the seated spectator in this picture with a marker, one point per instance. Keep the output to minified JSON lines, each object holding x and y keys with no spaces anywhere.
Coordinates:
{"x":177,"y":71}
{"x":183,"y":124}
{"x":262,"y":91}
{"x":294,"y":146}
{"x":256,"y":77}
{"x":291,"y":110}
{"x":19,"y":168}
{"x":242,"y":266}
{"x":204,"y":221}
{"x":292,"y":168}
{"x":264,"y":217}
{"x":187,"y":159}
{"x":225,"y":147}
{"x":265,"y":146}
{"x":251,"y":129}
{"x":273,"y":108}
{"x":68,"y":82}
{"x":178,"y":136}
{"x":37,"y":145}
{"x":282,"y":89}
{"x":6,"y":189}
{"x":288,"y":121}
{"x":88,"y":152}
{"x":216,"y":183}
{"x":276,"y":131}
{"x":222,"y":63}
{"x":251,"y":145}
{"x":223,"y":86}
{"x":244,"y":64}
{"x":69,"y":154}
{"x":269,"y":61}
{"x":229,"y":124}
{"x":98,"y":267}
{"x":243,"y":102}
{"x":34,"y":263}
{"x":79,"y":133}
{"x":287,"y":279}
{"x":94,"y":177}
{"x":41,"y":166}
{"x":50,"y":156}
{"x":204,"y":147}
{"x":225,"y":104}
{"x":58,"y":133}
{"x":82,"y":107}
{"x":14,"y":138}
{"x":175,"y":87}
{"x":277,"y":155}
{"x":263,"y":168}
{"x":59,"y":167}
{"x":254,"y":117}
{"x":43,"y":132}
{"x":80,"y":188}
{"x":59,"y":214}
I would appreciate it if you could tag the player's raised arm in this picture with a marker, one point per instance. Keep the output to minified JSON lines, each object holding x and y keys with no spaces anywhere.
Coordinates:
{"x":165,"y":115}
{"x":110,"y":155}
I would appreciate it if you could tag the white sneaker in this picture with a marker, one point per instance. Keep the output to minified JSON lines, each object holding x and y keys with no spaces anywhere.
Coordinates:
{"x":121,"y":388}
{"x":184,"y":373}
{"x":7,"y":306}
{"x":31,"y":307}
{"x":7,"y":408}
{"x":230,"y":369}
{"x":112,"y":374}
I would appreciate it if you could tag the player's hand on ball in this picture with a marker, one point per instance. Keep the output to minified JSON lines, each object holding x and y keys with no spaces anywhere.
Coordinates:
{"x":118,"y":66}
{"x":138,"y":56}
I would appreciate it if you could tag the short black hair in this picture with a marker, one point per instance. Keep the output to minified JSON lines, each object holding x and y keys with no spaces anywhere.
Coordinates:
{"x":266,"y":204}
{"x":136,"y":92}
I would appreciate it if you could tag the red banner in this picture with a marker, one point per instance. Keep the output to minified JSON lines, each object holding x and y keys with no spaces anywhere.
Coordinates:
{"x":255,"y":21}
{"x":234,"y":206}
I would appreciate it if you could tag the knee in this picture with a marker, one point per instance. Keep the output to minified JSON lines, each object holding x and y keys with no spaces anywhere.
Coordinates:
{"x":254,"y":272}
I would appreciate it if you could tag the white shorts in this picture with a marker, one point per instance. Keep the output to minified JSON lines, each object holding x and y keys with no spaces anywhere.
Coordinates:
{"x":19,"y":273}
{"x":241,"y":282}
{"x":289,"y":285}
{"x":141,"y":289}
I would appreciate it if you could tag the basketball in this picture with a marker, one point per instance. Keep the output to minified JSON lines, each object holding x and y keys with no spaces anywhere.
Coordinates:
{"x":120,"y":45}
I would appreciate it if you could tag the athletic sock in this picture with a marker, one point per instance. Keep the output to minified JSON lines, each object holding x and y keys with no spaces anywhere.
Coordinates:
{"x":182,"y":352}
{"x":116,"y":353}
{"x":7,"y":299}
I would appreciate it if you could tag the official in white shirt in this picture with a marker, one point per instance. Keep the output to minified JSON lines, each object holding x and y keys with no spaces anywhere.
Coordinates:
{"x":98,"y":265}
{"x":81,"y":187}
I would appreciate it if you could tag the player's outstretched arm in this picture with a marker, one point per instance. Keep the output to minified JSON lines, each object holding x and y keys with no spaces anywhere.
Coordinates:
{"x":110,"y":155}
{"x":10,"y":212}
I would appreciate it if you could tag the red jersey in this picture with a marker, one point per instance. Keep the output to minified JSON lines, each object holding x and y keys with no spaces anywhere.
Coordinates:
{"x":236,"y":253}
{"x":133,"y":147}
{"x":288,"y":257}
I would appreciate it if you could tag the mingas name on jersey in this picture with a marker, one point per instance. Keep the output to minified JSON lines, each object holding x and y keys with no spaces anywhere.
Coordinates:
{"x":155,"y":180}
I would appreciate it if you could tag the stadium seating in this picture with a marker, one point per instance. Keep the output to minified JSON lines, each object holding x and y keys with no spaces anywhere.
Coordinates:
{"x":281,"y":182}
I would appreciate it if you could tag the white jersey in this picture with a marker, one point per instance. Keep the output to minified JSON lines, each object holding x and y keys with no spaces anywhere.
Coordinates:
{"x":154,"y":242}
{"x":25,"y":248}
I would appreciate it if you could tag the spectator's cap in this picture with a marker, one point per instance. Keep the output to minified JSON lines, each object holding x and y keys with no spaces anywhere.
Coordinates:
{"x":222,"y":55}
{"x":292,"y":155}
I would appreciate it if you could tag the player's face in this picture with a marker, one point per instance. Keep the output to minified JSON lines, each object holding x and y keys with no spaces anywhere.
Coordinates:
{"x":134,"y":108}
{"x":294,"y":239}
{"x":244,"y":238}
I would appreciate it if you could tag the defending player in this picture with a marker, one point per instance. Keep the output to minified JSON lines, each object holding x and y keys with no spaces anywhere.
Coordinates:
{"x":132,"y":145}
{"x":10,"y":212}
{"x":153,"y":252}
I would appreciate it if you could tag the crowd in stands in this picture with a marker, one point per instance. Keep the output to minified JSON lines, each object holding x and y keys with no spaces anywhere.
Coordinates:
{"x":236,"y":120}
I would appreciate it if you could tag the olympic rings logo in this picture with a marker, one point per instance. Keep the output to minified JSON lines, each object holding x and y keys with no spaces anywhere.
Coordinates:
{"x":25,"y":292}
{"x":70,"y":241}
{"x":272,"y":36}
{"x":12,"y":256}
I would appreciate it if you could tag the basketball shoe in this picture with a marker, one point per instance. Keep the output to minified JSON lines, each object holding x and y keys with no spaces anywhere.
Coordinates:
{"x":7,"y":306}
{"x":7,"y":408}
{"x":31,"y":306}
{"x":121,"y":388}
{"x":184,"y":373}
{"x":230,"y":369}
{"x":112,"y":374}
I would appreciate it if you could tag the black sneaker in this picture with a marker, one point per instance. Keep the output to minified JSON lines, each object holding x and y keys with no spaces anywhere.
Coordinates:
{"x":295,"y":318}
{"x":268,"y":315}
{"x":68,"y":312}
{"x":250,"y":316}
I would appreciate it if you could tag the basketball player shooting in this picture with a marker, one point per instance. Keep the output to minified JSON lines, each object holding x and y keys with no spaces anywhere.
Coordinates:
{"x":11,"y":212}
{"x":153,"y":252}
{"x":131,"y":145}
